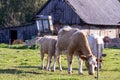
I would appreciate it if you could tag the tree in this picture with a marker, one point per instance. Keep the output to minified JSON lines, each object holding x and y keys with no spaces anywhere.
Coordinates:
{"x":17,"y":12}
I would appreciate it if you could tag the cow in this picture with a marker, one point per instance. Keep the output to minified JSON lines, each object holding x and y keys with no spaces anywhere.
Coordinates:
{"x":73,"y":41}
{"x":97,"y":46}
{"x":47,"y":45}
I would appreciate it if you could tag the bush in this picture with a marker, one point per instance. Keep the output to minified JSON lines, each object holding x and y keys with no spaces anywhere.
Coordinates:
{"x":18,"y":46}
{"x":3,"y":45}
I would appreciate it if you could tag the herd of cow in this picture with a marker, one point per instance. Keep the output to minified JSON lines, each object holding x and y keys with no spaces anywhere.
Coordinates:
{"x":71,"y":41}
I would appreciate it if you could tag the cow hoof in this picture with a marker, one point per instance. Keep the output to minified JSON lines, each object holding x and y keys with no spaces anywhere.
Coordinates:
{"x":91,"y":74}
{"x":70,"y":72}
{"x":42,"y":68}
{"x":61,"y":69}
{"x":52,"y":70}
{"x":47,"y":68}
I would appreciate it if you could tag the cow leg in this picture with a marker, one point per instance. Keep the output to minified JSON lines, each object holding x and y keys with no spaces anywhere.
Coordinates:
{"x":55,"y":59}
{"x":48,"y":61}
{"x":59,"y":62}
{"x":80,"y":61}
{"x":70,"y":57}
{"x":42,"y":60}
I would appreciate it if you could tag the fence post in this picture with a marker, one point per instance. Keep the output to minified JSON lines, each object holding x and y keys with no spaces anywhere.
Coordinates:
{"x":98,"y":54}
{"x":9,"y":42}
{"x":36,"y":45}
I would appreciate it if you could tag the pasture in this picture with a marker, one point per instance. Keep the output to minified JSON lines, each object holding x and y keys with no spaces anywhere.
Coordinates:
{"x":21,"y":63}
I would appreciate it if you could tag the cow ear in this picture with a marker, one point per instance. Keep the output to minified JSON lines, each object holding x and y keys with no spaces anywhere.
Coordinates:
{"x":104,"y":55}
{"x":83,"y":57}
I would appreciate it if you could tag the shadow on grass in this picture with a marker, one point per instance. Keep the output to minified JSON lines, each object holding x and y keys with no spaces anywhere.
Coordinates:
{"x":111,"y":70}
{"x":15,"y":71}
{"x":26,"y":66}
{"x":17,"y":46}
{"x":113,"y":48}
{"x":65,"y":68}
{"x":39,"y":68}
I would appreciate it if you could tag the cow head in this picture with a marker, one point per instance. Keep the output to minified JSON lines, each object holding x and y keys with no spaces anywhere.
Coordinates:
{"x":91,"y":64}
{"x":33,"y":41}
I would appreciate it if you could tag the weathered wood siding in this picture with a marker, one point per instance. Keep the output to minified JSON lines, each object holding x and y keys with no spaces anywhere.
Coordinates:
{"x":61,"y":12}
{"x":110,"y":31}
{"x":4,"y":36}
{"x":23,"y":32}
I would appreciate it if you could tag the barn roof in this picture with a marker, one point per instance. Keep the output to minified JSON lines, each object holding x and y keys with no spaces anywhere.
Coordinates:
{"x":97,"y":11}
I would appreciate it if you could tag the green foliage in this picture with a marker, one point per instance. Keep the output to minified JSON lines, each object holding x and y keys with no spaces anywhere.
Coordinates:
{"x":16,"y":12}
{"x":3,"y":45}
{"x":18,"y":46}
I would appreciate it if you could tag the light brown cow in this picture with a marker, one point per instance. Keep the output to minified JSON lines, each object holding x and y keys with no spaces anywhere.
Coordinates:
{"x":47,"y":45}
{"x":73,"y":41}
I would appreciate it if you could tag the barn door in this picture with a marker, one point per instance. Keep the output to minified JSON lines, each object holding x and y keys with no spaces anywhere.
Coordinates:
{"x":119,"y":32}
{"x":13,"y":35}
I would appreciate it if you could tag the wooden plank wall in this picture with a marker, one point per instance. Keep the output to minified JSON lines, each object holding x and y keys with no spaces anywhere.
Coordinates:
{"x":23,"y":32}
{"x":60,"y":12}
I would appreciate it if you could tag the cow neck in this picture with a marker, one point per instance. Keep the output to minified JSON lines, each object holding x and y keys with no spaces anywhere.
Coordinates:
{"x":89,"y":56}
{"x":88,"y":53}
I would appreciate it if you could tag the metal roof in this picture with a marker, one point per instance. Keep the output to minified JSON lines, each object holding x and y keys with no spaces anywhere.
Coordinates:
{"x":97,"y":11}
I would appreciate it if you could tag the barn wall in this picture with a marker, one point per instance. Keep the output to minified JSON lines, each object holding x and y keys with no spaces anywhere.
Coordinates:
{"x":61,"y":12}
{"x":103,"y":31}
{"x":28,"y":32}
{"x":110,"y":31}
{"x":23,"y":32}
{"x":118,"y":32}
{"x":4,"y":36}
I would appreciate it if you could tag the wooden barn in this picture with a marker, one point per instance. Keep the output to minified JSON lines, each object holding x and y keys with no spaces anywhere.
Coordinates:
{"x":23,"y":32}
{"x":91,"y":16}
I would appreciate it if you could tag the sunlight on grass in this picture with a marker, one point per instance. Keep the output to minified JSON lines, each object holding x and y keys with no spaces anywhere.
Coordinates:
{"x":24,"y":64}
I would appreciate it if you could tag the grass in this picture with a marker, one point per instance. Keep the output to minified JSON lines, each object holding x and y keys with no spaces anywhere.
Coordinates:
{"x":22,"y":63}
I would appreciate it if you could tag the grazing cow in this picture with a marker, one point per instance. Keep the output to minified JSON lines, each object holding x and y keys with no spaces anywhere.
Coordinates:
{"x":97,"y":45}
{"x":47,"y":44}
{"x":73,"y":41}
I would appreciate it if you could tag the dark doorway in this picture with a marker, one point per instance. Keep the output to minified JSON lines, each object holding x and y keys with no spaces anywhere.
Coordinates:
{"x":13,"y":35}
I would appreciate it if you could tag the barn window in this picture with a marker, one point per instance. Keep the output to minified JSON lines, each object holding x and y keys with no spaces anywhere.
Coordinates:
{"x":44,"y":24}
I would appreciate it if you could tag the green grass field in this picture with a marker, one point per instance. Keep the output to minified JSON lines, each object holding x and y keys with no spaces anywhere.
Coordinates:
{"x":21,"y":63}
